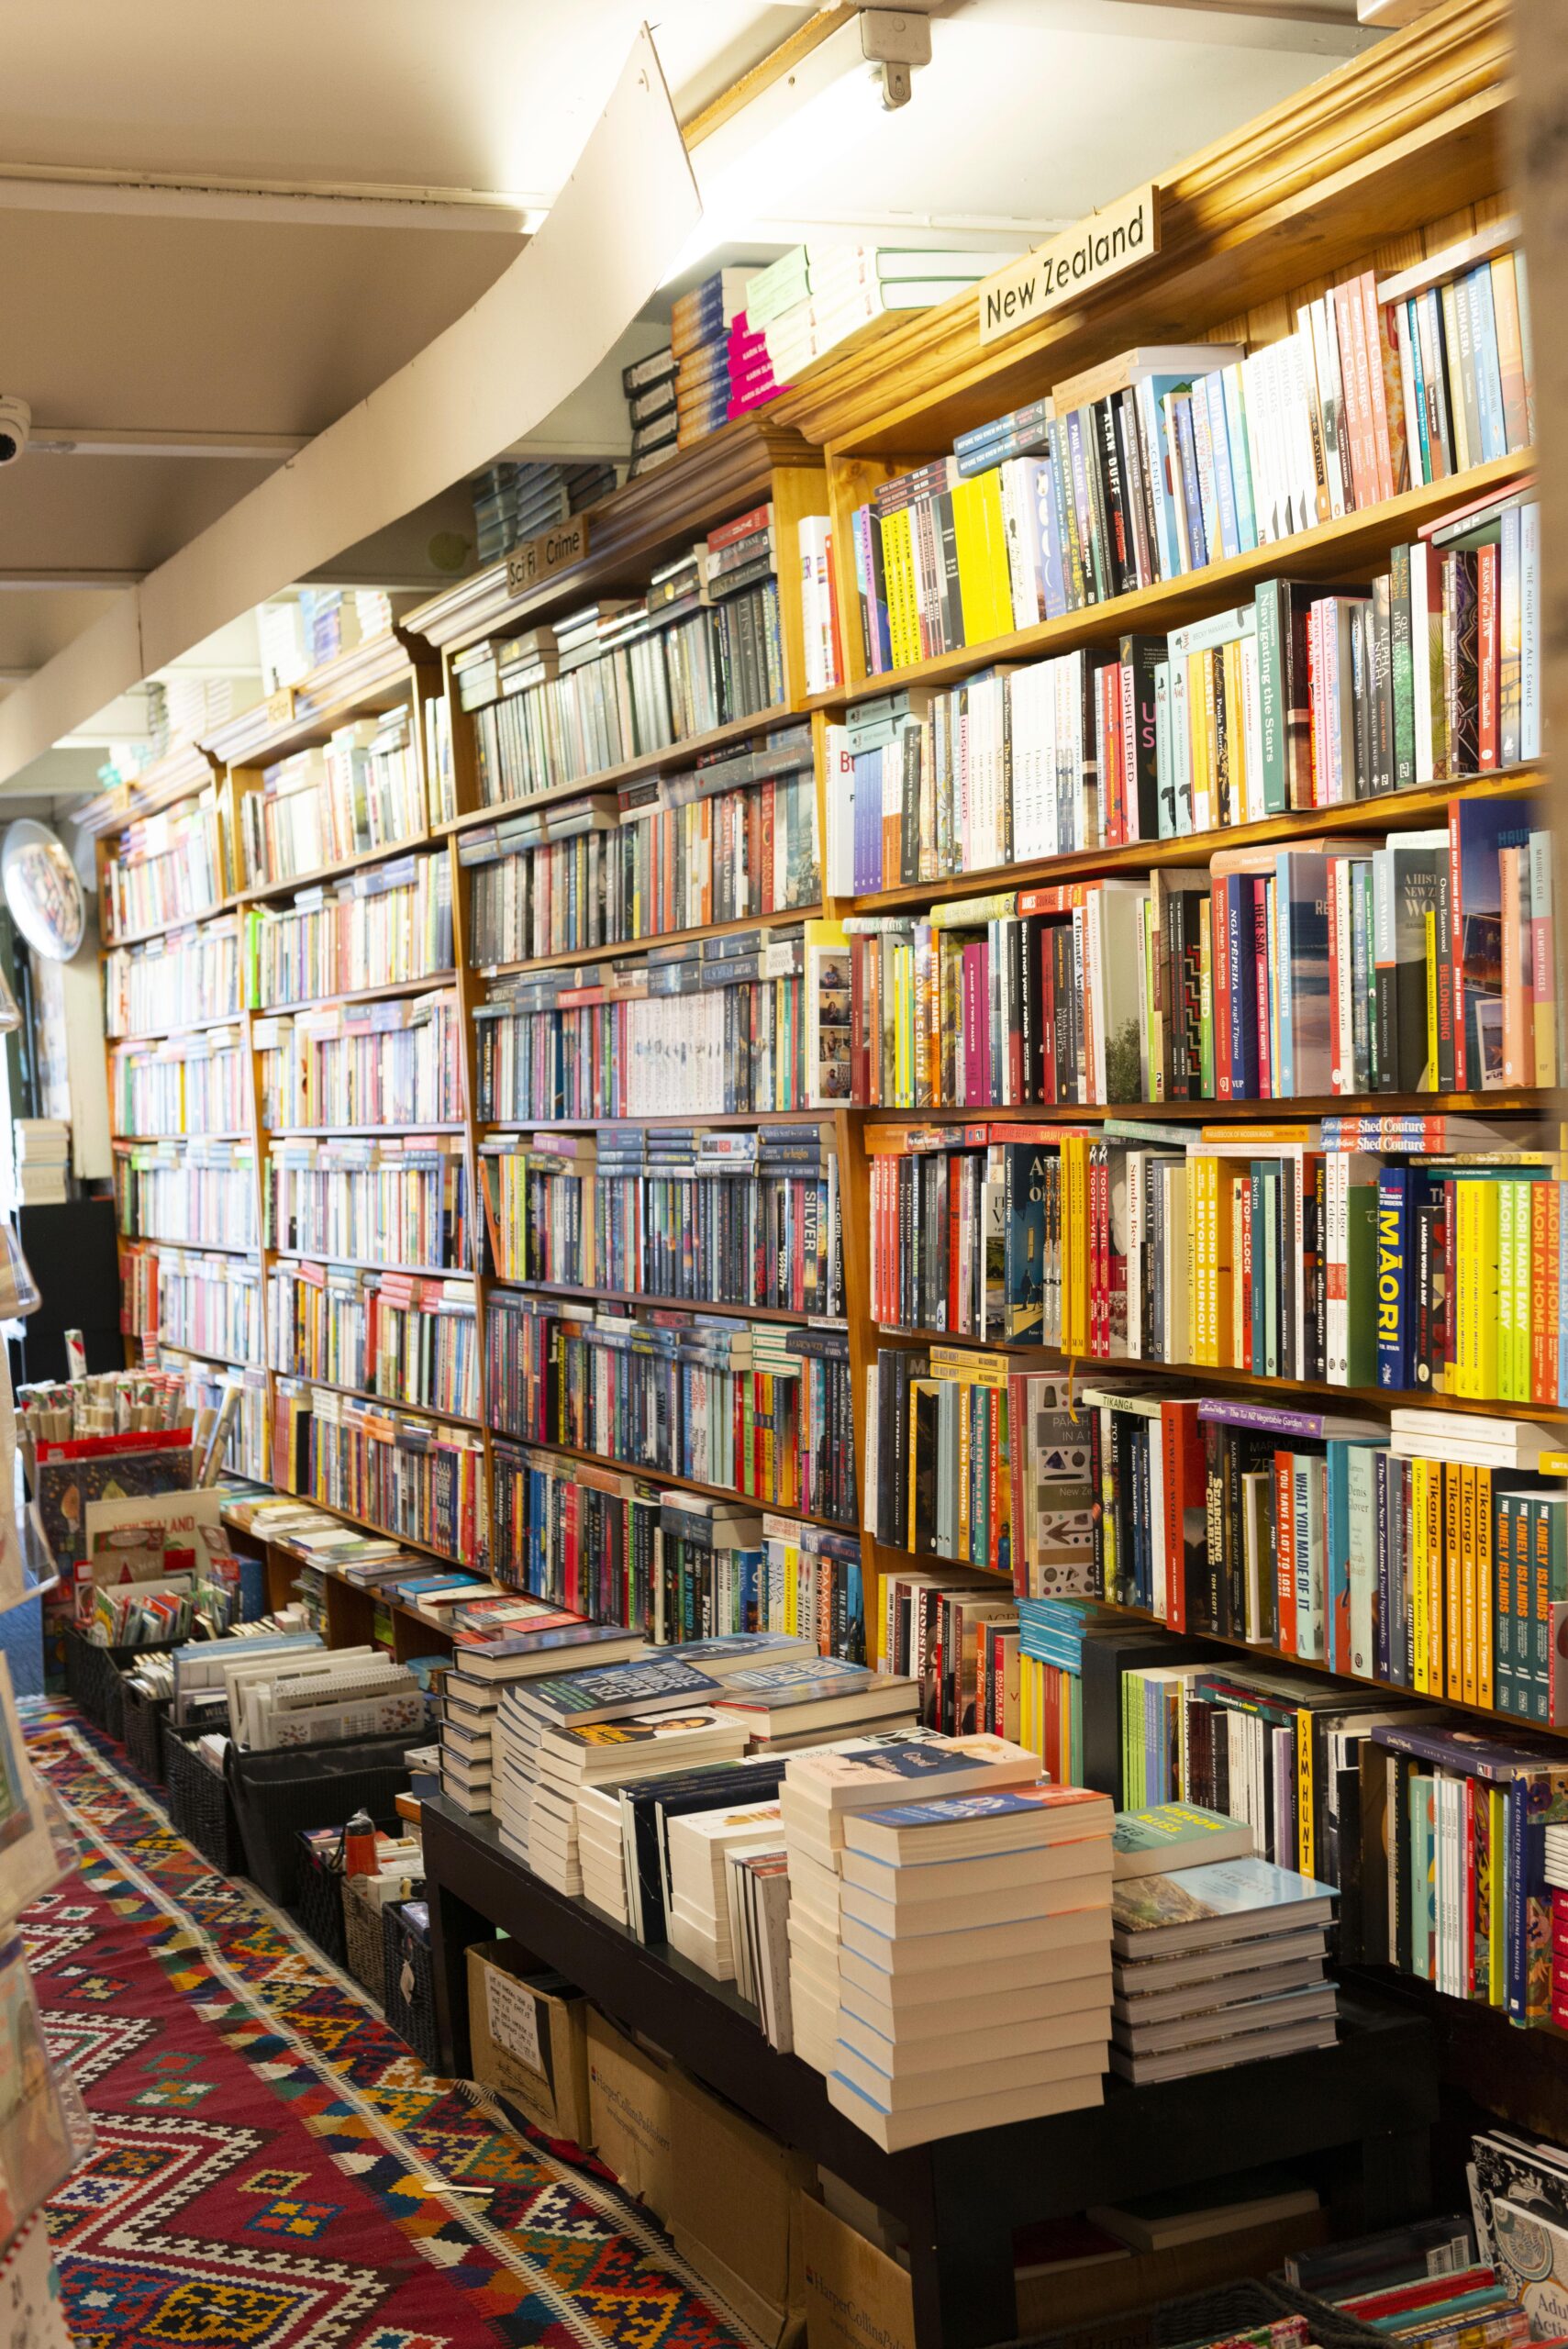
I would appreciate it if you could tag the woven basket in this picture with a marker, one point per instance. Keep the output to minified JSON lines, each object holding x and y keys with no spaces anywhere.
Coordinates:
{"x":410,"y":1999}
{"x":200,"y":1805}
{"x":93,"y":1682}
{"x":362,"y":1942}
{"x":144,"y":1717}
{"x":319,"y":1898}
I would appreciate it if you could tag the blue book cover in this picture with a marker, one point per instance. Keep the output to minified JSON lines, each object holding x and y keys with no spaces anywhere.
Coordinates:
{"x":635,"y":1686}
{"x":999,"y":1802}
{"x":1241,"y":462}
{"x":1484,"y":354}
{"x":1186,"y":453}
{"x":1219,"y":446}
{"x":1220,"y":1892}
{"x":1306,"y":1046}
{"x":1053,"y":567}
{"x":805,"y":1680}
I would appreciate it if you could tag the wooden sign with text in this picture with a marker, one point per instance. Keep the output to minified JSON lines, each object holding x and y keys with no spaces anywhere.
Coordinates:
{"x":1101,"y":247}
{"x":280,"y":706}
{"x":554,"y":550}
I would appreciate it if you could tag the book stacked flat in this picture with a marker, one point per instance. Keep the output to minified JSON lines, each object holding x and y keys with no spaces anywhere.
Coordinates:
{"x":633,"y":1698}
{"x":649,"y":388}
{"x":809,"y":1700}
{"x":1216,"y":1965}
{"x":816,"y":295}
{"x":42,"y":1147}
{"x":700,"y":1845}
{"x":752,"y":382}
{"x":699,"y":334}
{"x":820,"y":1791}
{"x":1009,"y":1889}
{"x":600,"y":1855}
{"x":498,"y":1643}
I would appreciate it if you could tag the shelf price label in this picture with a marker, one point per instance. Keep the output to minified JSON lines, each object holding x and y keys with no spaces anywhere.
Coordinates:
{"x":554,"y":550}
{"x":1082,"y":258}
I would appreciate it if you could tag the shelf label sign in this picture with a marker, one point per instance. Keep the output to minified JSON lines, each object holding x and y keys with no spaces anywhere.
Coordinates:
{"x":1082,"y":258}
{"x":554,"y":550}
{"x":279,"y":708}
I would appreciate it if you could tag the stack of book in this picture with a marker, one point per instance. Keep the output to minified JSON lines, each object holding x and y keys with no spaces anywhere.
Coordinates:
{"x":815,"y":296}
{"x":701,"y":1846}
{"x":815,"y":1700}
{"x":820,"y":1791}
{"x":1218,"y":1964}
{"x":1012,"y":1890}
{"x":513,"y":502}
{"x":753,"y":382}
{"x":649,"y":388}
{"x":496,"y":1643}
{"x":627,"y":1702}
{"x":700,"y":322}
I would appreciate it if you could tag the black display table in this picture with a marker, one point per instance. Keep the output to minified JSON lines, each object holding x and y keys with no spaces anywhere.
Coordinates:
{"x":1368,"y":2101}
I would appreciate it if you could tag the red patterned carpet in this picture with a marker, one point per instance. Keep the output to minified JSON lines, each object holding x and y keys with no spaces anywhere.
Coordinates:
{"x":264,"y":2138}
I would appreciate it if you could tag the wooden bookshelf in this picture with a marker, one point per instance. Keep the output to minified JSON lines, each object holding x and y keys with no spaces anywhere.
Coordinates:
{"x":1394,"y":156}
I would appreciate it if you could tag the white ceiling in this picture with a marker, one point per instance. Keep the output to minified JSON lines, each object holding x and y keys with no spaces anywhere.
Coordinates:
{"x":227,"y":222}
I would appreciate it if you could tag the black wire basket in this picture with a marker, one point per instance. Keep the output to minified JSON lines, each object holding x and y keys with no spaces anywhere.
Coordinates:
{"x":143,"y":1717}
{"x":318,"y":1896}
{"x":410,"y":1997}
{"x":200,"y":1806}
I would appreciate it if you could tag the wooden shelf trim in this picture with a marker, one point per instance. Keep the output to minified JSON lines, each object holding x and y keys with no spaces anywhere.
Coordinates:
{"x":676,"y":756}
{"x":628,"y":949}
{"x":646,"y":1474}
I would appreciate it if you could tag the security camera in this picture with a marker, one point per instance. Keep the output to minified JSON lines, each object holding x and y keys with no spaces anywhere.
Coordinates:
{"x":894,"y":42}
{"x":15,"y":424}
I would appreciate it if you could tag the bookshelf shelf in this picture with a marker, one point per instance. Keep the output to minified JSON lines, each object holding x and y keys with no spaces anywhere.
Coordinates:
{"x":382,"y":993}
{"x":676,"y":755}
{"x":687,"y":1118}
{"x":388,"y":1402}
{"x":199,"y":1353}
{"x":366,"y":1264}
{"x":625,"y":949}
{"x":667,"y":1476}
{"x":344,"y":1134}
{"x":500,"y":1286}
{"x":194,"y":1247}
{"x":170,"y":928}
{"x":154,"y":1141}
{"x":1356,"y":542}
{"x":1242,"y":1111}
{"x":1393,"y":811}
{"x":321,"y":874}
{"x":1260,"y":1648}
{"x":183,"y":1027}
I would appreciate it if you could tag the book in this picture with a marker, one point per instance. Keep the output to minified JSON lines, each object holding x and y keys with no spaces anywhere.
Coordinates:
{"x":1176,"y":1836}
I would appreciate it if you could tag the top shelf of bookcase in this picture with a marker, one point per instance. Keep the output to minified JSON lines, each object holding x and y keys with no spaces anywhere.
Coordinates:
{"x":371,"y":678}
{"x":1398,"y":138}
{"x":643,"y":523}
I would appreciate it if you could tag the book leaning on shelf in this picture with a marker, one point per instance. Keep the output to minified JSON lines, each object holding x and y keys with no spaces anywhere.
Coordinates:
{"x":389,"y":1334}
{"x":164,"y":870}
{"x":753,"y":1409}
{"x":233,"y":1402}
{"x":729,"y":839}
{"x":397,"y":1201}
{"x":189,"y":1084}
{"x":1163,"y":461}
{"x":200,"y":1192}
{"x":632,"y":676}
{"x":393,"y":1062}
{"x":716,"y":1216}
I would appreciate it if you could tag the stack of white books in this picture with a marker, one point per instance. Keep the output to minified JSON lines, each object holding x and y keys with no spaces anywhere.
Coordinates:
{"x":526,"y":1641}
{"x":43,"y":1159}
{"x":609,"y":1753}
{"x":820,"y":1790}
{"x":699,"y":1923}
{"x":600,"y":1855}
{"x":1007,"y":1891}
{"x":643,"y":1689}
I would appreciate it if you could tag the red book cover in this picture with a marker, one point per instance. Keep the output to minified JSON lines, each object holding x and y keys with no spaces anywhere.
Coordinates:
{"x":1186,"y":1503}
{"x":1488,"y":667}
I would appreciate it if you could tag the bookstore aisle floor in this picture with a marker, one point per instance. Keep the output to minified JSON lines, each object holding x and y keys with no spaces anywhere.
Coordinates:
{"x":784,"y":1193}
{"x":272,"y":2160}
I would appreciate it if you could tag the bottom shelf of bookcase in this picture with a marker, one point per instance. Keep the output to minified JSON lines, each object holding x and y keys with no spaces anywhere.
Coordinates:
{"x":1363,"y":2106}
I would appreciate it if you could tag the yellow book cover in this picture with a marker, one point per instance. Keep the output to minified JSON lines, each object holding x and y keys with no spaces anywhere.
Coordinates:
{"x":968,"y":541}
{"x":1234,"y":809}
{"x":998,"y":571}
{"x":1453,"y":1480}
{"x":1420,"y":1471}
{"x":1199,"y":699}
{"x":1306,"y":1831}
{"x":961,"y":1363}
{"x":898,"y":567}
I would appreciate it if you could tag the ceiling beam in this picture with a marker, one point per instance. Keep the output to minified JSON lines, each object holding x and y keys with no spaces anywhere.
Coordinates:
{"x":334,"y":203}
{"x":30,"y":578}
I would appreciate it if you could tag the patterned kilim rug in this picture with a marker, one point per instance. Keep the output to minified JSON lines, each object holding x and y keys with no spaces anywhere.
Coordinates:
{"x":265,"y":2141}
